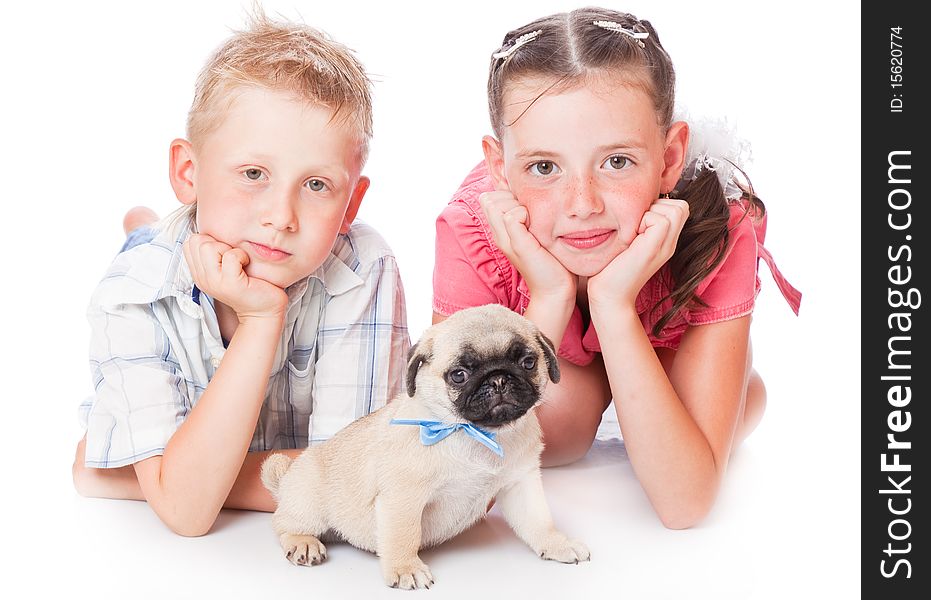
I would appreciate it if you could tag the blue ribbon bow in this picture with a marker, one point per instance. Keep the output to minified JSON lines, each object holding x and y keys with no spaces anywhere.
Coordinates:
{"x":432,"y":432}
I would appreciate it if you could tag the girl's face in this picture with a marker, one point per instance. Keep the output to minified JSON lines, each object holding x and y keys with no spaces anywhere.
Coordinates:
{"x":587,"y":162}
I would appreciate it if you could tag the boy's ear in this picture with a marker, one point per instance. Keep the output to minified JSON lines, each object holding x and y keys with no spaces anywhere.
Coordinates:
{"x":355,"y":201}
{"x":181,"y":171}
{"x":494,"y":159}
{"x":677,"y":143}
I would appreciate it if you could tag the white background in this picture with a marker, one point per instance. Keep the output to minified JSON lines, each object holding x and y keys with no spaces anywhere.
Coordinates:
{"x":93,"y":92}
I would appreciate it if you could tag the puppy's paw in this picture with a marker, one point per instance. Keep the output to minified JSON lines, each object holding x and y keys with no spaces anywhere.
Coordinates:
{"x":303,"y":550}
{"x":560,"y":548}
{"x":411,"y":574}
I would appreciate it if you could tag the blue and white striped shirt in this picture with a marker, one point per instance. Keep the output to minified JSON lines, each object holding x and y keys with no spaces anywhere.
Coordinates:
{"x":153,"y":349}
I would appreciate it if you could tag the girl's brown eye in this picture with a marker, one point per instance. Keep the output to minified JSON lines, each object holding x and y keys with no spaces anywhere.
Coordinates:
{"x":616,"y":162}
{"x":253,"y":174}
{"x":544,"y":167}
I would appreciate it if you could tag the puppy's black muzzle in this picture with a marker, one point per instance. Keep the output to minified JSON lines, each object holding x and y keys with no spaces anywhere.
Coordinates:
{"x":497,"y":396}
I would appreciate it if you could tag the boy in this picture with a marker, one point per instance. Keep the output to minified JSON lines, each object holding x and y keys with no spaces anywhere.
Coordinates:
{"x":259,"y":317}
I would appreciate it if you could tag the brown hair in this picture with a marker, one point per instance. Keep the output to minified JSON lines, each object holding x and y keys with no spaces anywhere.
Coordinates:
{"x":570,"y":48}
{"x":283,"y":56}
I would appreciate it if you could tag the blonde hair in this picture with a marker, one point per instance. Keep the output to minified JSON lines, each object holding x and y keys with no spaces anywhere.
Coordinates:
{"x":283,"y":56}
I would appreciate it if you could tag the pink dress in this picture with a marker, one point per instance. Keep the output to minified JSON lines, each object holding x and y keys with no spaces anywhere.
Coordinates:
{"x":470,"y":270}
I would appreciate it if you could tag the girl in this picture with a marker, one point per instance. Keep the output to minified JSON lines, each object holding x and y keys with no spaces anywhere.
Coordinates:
{"x":589,"y":217}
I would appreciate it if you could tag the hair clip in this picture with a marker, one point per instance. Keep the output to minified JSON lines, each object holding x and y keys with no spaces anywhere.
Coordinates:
{"x":703,"y":161}
{"x":520,"y":41}
{"x":612,"y":26}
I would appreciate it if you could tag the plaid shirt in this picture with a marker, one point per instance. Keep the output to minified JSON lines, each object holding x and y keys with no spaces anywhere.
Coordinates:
{"x":156,"y":343}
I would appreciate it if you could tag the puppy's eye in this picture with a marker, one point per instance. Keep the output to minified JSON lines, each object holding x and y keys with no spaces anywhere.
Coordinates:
{"x":458,"y":376}
{"x":529,"y":363}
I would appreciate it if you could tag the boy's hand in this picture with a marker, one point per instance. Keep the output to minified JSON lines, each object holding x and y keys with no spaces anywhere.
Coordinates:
{"x":655,"y":243}
{"x":218,"y":270}
{"x":545,"y":276}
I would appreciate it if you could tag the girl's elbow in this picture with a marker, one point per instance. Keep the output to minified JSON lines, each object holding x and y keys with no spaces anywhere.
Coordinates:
{"x":683,"y":520}
{"x":566,"y":451}
{"x":687,"y":514}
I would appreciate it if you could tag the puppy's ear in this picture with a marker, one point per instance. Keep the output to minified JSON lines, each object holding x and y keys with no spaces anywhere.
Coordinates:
{"x":419,"y":354}
{"x":549,"y":354}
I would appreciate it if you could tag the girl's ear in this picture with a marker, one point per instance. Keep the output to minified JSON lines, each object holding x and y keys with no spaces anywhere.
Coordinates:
{"x":355,"y":201}
{"x":677,"y":143}
{"x":181,"y":171}
{"x":494,"y":159}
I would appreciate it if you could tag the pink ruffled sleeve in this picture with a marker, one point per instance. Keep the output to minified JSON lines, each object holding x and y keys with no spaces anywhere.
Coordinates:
{"x":469,"y":269}
{"x":730,"y":290}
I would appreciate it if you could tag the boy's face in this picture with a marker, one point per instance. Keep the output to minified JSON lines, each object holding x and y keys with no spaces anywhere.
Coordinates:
{"x":279,"y":180}
{"x":587,"y":162}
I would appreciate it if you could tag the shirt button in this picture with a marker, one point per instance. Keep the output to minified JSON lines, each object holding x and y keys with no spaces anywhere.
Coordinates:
{"x":215,"y":362}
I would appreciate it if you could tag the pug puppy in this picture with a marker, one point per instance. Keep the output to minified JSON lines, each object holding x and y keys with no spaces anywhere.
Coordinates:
{"x":391,"y":489}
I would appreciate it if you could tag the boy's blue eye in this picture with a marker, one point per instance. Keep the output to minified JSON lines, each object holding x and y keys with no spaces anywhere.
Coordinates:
{"x":544,"y":167}
{"x":253,"y":174}
{"x":316,"y":185}
{"x":616,"y":162}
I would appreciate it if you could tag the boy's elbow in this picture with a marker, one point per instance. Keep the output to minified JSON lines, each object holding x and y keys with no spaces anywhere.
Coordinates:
{"x":79,"y":475}
{"x":188,"y":521}
{"x":185,"y":511}
{"x":189,"y":527}
{"x":80,"y":480}
{"x":191,"y":521}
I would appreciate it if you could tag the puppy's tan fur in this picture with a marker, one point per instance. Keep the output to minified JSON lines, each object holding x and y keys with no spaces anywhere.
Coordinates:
{"x":376,"y":486}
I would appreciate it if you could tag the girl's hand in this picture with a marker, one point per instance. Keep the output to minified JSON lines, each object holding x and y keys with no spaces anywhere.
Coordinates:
{"x":655,"y":244}
{"x":218,"y":270}
{"x":545,"y":276}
